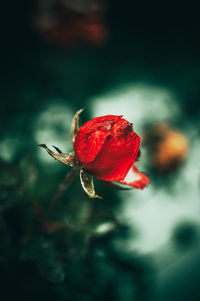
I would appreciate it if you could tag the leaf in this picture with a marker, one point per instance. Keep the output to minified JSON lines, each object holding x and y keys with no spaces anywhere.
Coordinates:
{"x":87,"y":184}
{"x":75,"y":124}
{"x":66,"y":158}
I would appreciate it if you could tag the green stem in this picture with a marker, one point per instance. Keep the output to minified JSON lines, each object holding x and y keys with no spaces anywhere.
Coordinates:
{"x":62,"y":188}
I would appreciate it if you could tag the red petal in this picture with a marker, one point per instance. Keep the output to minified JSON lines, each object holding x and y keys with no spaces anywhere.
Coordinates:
{"x":91,"y":137}
{"x":117,"y":154}
{"x":135,"y":179}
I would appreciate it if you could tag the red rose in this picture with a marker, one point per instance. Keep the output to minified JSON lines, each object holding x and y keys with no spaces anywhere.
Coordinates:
{"x":105,"y":147}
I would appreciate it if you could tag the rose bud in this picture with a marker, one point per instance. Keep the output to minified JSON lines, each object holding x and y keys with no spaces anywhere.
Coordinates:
{"x":105,"y":147}
{"x":169,"y":147}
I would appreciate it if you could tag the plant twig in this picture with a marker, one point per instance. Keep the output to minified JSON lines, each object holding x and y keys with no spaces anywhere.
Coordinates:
{"x":62,"y":187}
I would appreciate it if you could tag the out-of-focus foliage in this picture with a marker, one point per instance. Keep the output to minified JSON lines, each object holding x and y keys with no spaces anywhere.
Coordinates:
{"x":70,"y":242}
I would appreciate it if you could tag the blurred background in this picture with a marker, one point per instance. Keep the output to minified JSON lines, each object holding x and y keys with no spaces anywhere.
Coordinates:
{"x":111,"y":57}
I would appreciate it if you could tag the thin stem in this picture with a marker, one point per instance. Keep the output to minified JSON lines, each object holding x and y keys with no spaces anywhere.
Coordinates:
{"x":62,"y":187}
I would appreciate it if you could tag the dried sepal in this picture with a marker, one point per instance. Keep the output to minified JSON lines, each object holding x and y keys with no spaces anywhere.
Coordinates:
{"x":75,"y":124}
{"x":66,"y":158}
{"x":57,"y":149}
{"x":87,"y":184}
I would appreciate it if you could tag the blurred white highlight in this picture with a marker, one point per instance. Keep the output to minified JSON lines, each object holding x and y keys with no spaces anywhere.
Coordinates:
{"x":154,"y":211}
{"x":53,"y":127}
{"x":8,"y":148}
{"x":139,"y":103}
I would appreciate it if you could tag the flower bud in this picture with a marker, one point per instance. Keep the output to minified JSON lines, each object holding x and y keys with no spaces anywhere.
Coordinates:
{"x":107,"y":147}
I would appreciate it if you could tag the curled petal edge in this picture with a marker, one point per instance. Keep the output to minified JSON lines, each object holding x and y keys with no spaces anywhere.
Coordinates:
{"x":135,"y":179}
